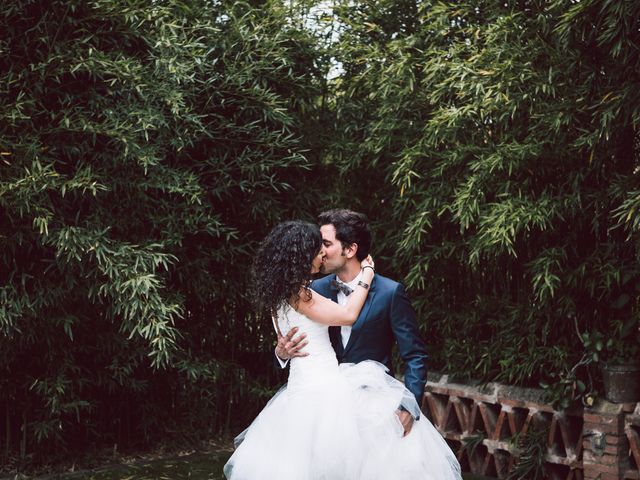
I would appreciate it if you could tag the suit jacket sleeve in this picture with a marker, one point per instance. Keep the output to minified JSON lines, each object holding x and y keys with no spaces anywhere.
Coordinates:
{"x":410,"y":344}
{"x":279,"y":364}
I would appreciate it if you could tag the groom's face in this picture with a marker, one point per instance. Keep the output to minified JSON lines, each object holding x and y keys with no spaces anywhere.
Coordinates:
{"x":334,"y":256}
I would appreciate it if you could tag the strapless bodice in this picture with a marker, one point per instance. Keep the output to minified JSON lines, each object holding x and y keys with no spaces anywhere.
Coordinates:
{"x":321,"y":365}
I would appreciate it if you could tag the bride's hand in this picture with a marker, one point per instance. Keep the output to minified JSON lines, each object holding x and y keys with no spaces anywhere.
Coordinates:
{"x":367,"y":262}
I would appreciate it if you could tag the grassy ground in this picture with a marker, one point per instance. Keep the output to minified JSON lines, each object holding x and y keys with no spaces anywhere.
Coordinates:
{"x":198,"y":466}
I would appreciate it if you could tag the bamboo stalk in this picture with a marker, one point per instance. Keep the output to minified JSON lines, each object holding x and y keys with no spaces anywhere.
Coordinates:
{"x":23,"y":443}
{"x":7,"y":444}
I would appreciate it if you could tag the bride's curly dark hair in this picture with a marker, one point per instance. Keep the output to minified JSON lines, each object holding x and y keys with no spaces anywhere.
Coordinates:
{"x":282,"y":264}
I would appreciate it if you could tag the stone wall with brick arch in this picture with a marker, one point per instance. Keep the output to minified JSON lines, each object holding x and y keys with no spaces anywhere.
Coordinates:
{"x":483,"y":422}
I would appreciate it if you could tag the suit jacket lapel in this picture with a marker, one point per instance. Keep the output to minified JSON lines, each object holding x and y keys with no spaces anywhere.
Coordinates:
{"x":336,"y":340}
{"x":334,"y":332}
{"x":362,"y":318}
{"x":333,"y":294}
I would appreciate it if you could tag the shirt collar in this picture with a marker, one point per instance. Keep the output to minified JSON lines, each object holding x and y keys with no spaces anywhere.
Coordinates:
{"x":353,"y":283}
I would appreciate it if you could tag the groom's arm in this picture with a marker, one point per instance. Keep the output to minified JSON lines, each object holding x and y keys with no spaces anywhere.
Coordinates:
{"x":411,"y":347}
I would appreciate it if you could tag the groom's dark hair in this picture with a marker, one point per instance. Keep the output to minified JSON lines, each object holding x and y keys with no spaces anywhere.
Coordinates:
{"x":351,"y":227}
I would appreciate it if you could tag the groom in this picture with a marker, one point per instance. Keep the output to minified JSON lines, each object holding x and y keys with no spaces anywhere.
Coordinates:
{"x":386,"y":316}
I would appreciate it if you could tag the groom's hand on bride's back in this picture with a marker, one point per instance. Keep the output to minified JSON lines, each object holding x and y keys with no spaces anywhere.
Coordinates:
{"x":406,"y":420}
{"x":291,"y":344}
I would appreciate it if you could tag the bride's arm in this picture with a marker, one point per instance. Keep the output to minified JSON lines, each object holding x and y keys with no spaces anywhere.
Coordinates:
{"x":322,"y":310}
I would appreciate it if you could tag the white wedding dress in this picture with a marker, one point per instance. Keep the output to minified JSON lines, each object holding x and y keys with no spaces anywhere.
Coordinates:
{"x":338,"y":422}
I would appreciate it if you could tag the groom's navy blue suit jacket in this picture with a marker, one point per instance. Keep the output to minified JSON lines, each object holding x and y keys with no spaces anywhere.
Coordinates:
{"x":386,"y":316}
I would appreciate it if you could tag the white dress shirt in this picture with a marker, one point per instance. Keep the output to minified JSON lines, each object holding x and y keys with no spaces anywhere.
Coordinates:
{"x":345,"y":331}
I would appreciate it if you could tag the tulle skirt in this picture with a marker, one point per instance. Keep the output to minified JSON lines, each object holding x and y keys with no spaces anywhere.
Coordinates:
{"x":342,"y":427}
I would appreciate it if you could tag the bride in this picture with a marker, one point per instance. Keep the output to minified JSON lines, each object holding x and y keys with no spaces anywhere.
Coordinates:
{"x":330,"y":421}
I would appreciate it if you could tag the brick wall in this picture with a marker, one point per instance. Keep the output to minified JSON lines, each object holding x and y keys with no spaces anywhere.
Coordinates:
{"x":482,"y":423}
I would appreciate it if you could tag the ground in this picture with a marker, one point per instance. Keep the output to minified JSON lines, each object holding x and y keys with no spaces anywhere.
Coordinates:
{"x":197,"y":466}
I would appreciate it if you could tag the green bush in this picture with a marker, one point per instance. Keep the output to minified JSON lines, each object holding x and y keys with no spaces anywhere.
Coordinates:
{"x":145,"y":148}
{"x":508,"y":132}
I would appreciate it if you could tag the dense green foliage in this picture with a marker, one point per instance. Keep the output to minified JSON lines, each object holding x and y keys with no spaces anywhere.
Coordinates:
{"x":145,"y":147}
{"x":510,"y":134}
